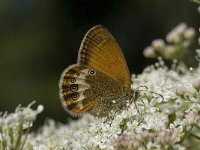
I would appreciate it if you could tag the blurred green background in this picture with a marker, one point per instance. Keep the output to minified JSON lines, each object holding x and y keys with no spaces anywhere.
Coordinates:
{"x":39,"y":39}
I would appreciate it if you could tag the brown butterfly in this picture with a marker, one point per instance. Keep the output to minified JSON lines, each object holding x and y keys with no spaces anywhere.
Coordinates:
{"x":100,"y":82}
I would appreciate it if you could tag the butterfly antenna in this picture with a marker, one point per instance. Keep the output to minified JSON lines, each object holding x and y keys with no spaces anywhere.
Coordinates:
{"x":137,"y":108}
{"x":109,"y":119}
{"x":146,"y":90}
{"x":135,"y":97}
{"x":152,"y":92}
{"x":140,"y":121}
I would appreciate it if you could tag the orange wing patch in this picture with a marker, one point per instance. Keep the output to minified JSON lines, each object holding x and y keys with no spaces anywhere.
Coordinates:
{"x":85,"y":106}
{"x":100,"y":51}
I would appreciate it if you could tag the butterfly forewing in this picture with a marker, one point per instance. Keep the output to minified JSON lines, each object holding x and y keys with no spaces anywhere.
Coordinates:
{"x":100,"y":50}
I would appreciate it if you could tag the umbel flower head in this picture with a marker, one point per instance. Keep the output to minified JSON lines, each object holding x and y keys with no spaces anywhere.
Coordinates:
{"x":178,"y":41}
{"x":169,"y":117}
{"x":15,"y":127}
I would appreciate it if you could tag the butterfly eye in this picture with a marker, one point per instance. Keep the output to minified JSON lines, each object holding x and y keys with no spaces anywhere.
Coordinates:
{"x":98,"y":39}
{"x":75,"y":96}
{"x":74,"y":87}
{"x":92,"y":72}
{"x":73,"y":80}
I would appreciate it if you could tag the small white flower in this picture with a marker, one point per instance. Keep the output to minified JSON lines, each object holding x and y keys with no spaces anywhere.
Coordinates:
{"x":170,"y":51}
{"x":175,"y":35}
{"x":189,"y":33}
{"x":158,"y":44}
{"x":40,"y":108}
{"x":149,"y":52}
{"x":196,"y":84}
{"x":102,"y":145}
{"x":180,"y":90}
{"x":153,"y":109}
{"x":154,"y":120}
{"x":181,"y":28}
{"x":192,"y":117}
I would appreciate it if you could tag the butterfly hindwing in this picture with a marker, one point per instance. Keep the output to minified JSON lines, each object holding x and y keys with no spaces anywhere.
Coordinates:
{"x":73,"y":89}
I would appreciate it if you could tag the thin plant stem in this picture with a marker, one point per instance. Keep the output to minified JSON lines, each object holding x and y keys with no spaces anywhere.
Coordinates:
{"x":26,"y":135}
{"x":20,"y":130}
{"x":195,"y":136}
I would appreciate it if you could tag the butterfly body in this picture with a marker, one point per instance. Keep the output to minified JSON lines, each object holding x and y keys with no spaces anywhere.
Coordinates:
{"x":100,"y":81}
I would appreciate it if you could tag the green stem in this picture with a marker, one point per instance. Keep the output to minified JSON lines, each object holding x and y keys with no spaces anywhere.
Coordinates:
{"x":186,"y":134}
{"x":10,"y":133}
{"x":189,"y":132}
{"x":197,"y":126}
{"x":170,"y":147}
{"x":26,"y":135}
{"x":3,"y":142}
{"x":195,"y":136}
{"x":20,"y":130}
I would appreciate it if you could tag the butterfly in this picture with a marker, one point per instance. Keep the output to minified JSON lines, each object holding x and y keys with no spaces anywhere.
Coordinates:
{"x":99,"y":83}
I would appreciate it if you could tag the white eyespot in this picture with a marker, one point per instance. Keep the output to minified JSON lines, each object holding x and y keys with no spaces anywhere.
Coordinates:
{"x":113,"y":101}
{"x":74,"y":87}
{"x":75,"y":96}
{"x":92,"y":72}
{"x":73,"y":80}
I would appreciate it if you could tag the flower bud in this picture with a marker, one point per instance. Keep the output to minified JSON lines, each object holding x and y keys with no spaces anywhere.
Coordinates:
{"x":189,"y":33}
{"x":170,"y":52}
{"x":149,"y":52}
{"x":158,"y":44}
{"x":196,"y":84}
{"x":180,"y":91}
{"x":192,"y":117}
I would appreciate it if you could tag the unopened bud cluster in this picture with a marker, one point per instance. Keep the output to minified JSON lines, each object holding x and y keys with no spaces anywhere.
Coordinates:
{"x":177,"y":42}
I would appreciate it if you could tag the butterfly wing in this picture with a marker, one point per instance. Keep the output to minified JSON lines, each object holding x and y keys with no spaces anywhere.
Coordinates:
{"x":100,"y":51}
{"x":73,"y":87}
{"x":78,"y":85}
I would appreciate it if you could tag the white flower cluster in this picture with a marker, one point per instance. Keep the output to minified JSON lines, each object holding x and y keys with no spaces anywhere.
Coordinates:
{"x":13,"y":126}
{"x":178,"y":40}
{"x":165,"y":116}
